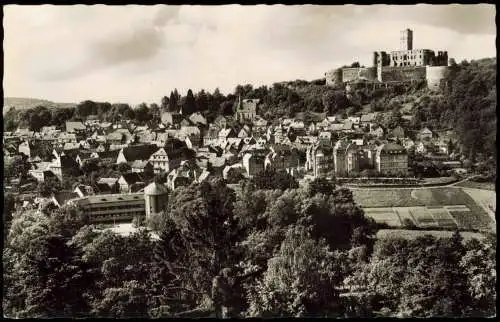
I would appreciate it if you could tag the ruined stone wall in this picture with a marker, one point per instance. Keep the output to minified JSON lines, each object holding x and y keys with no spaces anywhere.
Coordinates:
{"x":333,"y":77}
{"x":362,"y":73}
{"x":402,"y":74}
{"x":434,"y":75}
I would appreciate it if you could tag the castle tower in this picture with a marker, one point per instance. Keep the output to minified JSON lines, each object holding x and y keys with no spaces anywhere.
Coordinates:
{"x":406,"y":39}
{"x":155,"y":198}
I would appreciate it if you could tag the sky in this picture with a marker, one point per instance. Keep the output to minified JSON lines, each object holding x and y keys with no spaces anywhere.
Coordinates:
{"x":133,"y":54}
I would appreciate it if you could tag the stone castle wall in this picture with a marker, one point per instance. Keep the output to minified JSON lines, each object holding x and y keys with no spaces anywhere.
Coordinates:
{"x":333,"y":77}
{"x":361,"y":73}
{"x":402,"y":74}
{"x":389,"y":74}
{"x":434,"y":75}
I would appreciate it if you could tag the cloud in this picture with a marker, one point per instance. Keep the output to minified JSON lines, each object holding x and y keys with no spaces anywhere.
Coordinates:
{"x":134,"y":41}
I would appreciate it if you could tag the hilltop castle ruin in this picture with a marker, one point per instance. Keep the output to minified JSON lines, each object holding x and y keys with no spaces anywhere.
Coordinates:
{"x":401,"y":66}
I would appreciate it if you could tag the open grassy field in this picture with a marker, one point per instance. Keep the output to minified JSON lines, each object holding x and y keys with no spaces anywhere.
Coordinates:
{"x":477,"y":185}
{"x":485,"y":198}
{"x":384,"y":215}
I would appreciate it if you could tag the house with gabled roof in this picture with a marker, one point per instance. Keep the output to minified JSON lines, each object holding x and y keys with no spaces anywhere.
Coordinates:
{"x":107,"y":185}
{"x":336,"y":127}
{"x":425,"y":134}
{"x":27,"y":148}
{"x":166,"y":160}
{"x":192,"y":132}
{"x":67,"y":138}
{"x":246,"y":109}
{"x":136,"y":152}
{"x":282,"y":157}
{"x":211,"y":135}
{"x":198,"y":119}
{"x":74,"y":127}
{"x":106,"y":157}
{"x":225,"y":134}
{"x":61,"y":198}
{"x":391,"y":158}
{"x":368,"y":118}
{"x":130,"y":181}
{"x":348,"y":127}
{"x":171,"y":118}
{"x":40,"y":171}
{"x":253,"y":163}
{"x":325,"y":137}
{"x":185,"y":122}
{"x":259,"y":124}
{"x":221,"y":122}
{"x":84,"y":190}
{"x":62,"y":165}
{"x":82,"y":156}
{"x":319,"y":159}
{"x":244,"y":132}
{"x":142,"y":166}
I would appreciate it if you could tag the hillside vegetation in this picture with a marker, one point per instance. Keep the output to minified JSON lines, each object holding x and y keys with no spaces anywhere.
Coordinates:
{"x":23,"y":103}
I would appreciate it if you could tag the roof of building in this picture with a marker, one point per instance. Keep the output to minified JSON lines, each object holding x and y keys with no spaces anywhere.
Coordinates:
{"x":325,"y":135}
{"x":139,"y":152}
{"x":336,"y":126}
{"x":111,"y":198}
{"x":86,"y":190}
{"x":71,"y":146}
{"x":111,"y":154}
{"x":370,"y":117}
{"x":190,"y":130}
{"x":107,"y":181}
{"x":155,"y":189}
{"x":171,"y":117}
{"x":198,"y":118}
{"x":217,"y":162}
{"x":63,"y":196}
{"x":347,"y":125}
{"x":131,"y":177}
{"x":392,"y":148}
{"x":226,"y":132}
{"x":75,"y":126}
{"x":139,"y":164}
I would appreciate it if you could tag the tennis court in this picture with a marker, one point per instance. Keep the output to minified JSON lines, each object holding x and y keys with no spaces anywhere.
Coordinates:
{"x":423,"y":217}
{"x":442,"y":217}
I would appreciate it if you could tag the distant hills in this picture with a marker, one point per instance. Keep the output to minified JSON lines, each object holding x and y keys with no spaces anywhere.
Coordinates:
{"x":27,"y":103}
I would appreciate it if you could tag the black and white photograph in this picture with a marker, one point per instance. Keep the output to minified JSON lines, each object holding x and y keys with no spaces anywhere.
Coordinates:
{"x":249,"y":161}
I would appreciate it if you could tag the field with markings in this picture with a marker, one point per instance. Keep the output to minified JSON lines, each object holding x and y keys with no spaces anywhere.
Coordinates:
{"x":445,"y":207}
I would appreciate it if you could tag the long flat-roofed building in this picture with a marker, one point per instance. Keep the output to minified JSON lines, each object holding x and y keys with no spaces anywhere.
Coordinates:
{"x":113,"y":207}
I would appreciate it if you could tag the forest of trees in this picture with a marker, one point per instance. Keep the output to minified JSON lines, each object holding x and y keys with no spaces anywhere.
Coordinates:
{"x":262,"y":253}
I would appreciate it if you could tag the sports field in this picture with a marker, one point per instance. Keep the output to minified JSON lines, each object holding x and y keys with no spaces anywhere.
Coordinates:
{"x":426,"y":208}
{"x":422,"y":217}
